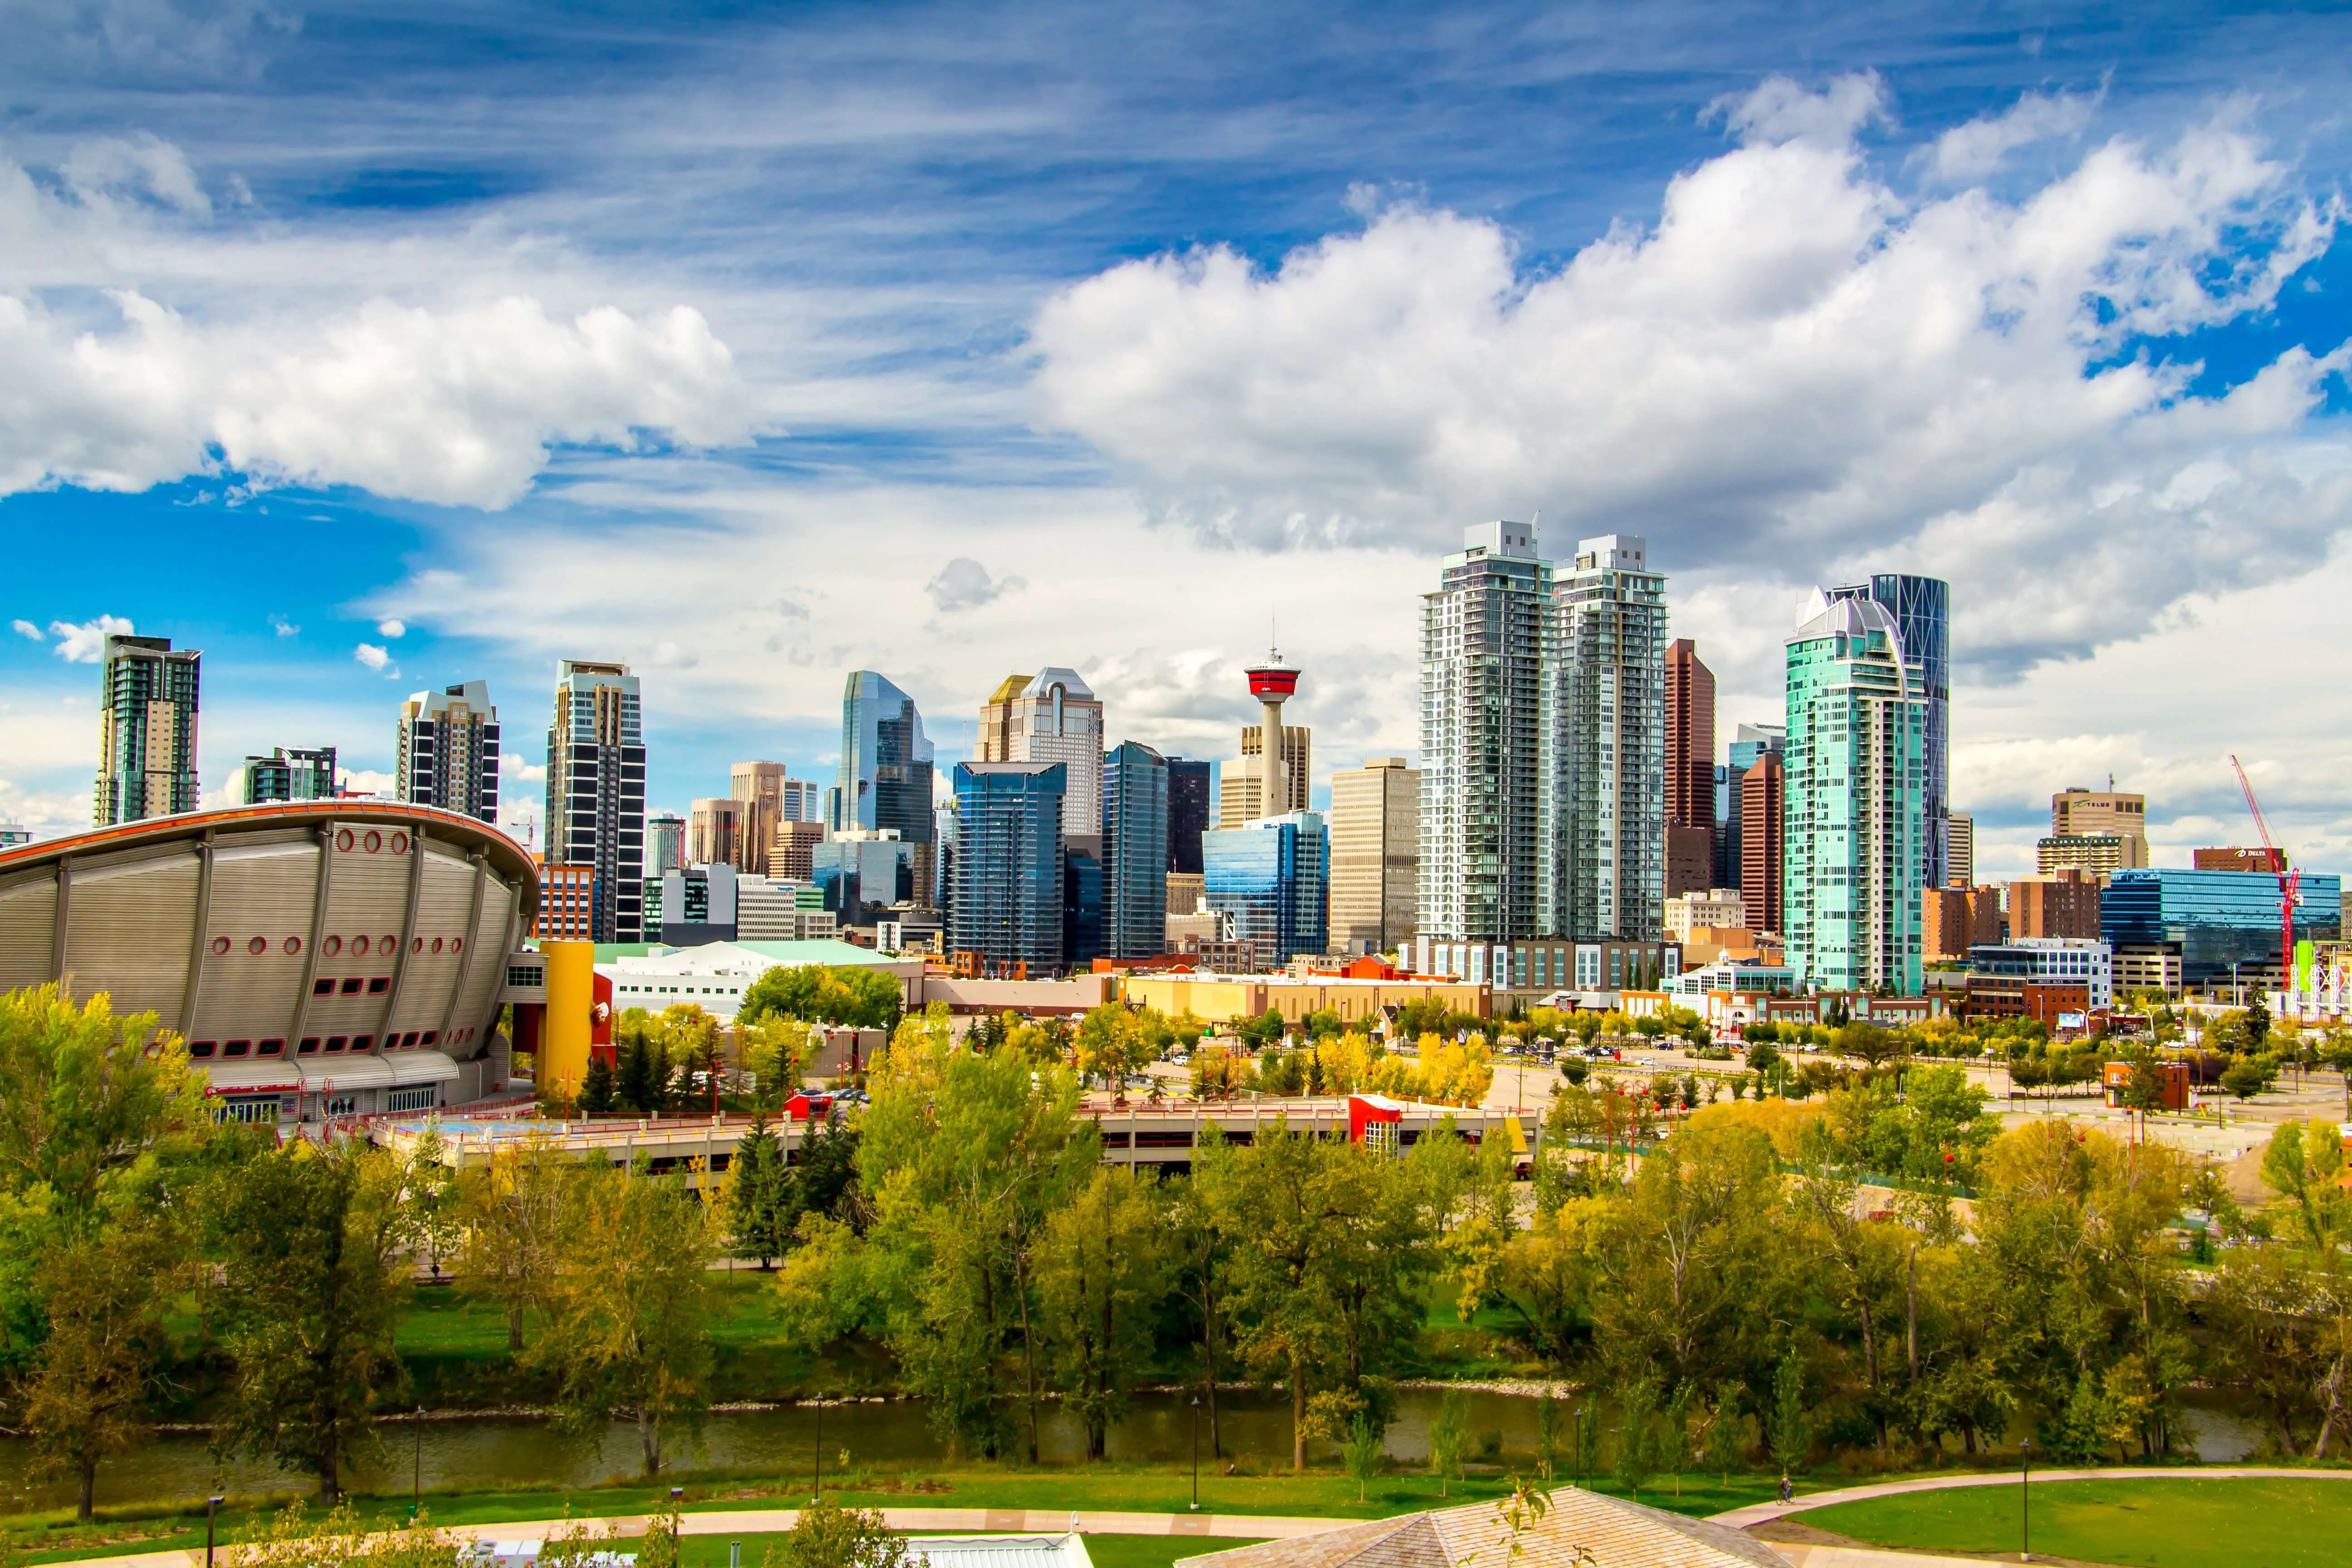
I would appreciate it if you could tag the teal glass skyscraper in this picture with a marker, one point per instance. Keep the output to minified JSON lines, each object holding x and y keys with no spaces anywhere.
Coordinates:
{"x":1135,"y":851}
{"x":884,"y":779}
{"x":1856,"y":817}
{"x":1007,"y":898}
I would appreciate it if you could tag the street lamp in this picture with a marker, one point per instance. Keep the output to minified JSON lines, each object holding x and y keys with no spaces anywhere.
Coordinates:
{"x":212,"y":1505}
{"x":417,"y":1475}
{"x":816,"y":1487}
{"x":1196,"y":1454}
{"x":2025,"y":1502}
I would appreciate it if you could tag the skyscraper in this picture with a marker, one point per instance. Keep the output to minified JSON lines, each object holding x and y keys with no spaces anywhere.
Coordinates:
{"x":664,"y":845}
{"x":1007,"y":900}
{"x":1051,"y":716}
{"x":1690,"y":771}
{"x":1856,"y":809}
{"x":147,"y":731}
{"x":1960,"y":849}
{"x":1921,"y":610}
{"x":1189,"y":813}
{"x":1272,"y":878}
{"x":1135,"y":851}
{"x":447,"y":747}
{"x":1489,"y":758}
{"x":290,"y":773}
{"x":1748,"y":742}
{"x":1763,"y":845}
{"x":2097,"y":831}
{"x":1375,"y":829}
{"x":1612,"y":647}
{"x":885,"y":762}
{"x":715,"y":831}
{"x":596,"y":791}
{"x":759,"y":790}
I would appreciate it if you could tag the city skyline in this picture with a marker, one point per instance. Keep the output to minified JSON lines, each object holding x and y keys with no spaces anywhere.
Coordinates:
{"x":749,"y":438}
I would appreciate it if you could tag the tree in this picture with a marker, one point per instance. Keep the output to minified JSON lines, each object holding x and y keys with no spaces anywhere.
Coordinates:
{"x":1723,"y":1445}
{"x":1637,"y":1452}
{"x":510,"y":1209}
{"x":1786,"y":1432}
{"x":759,"y":1205}
{"x":1362,"y":1450}
{"x":851,"y":995}
{"x":1102,"y":1272}
{"x":292,"y":1538}
{"x":88,"y":1395}
{"x":830,"y":1536}
{"x":1448,"y":1435}
{"x":2245,"y":1077}
{"x":1873,"y":1046}
{"x":311,"y":1242}
{"x":599,"y":1090}
{"x":81,"y":1100}
{"x":2303,"y":1163}
{"x":631,"y":1307}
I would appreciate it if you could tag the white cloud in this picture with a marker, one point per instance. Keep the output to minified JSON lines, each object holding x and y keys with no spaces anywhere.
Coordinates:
{"x":1798,"y":372}
{"x":375,"y":658}
{"x":1973,"y":151}
{"x":28,"y":629}
{"x":512,"y":767}
{"x":1782,"y":110}
{"x":392,"y":629}
{"x":963,"y":583}
{"x":101,"y":169}
{"x":86,"y":643}
{"x":143,"y":354}
{"x":370,"y":781}
{"x":284,"y":627}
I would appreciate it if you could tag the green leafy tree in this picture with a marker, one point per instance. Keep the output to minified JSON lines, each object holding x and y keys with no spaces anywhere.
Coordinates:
{"x":1723,"y":1445}
{"x":827,"y":1536}
{"x":1548,"y":1437}
{"x":632,"y":1306}
{"x":2245,"y":1077}
{"x":599,"y":1089}
{"x":1448,"y":1435}
{"x":1362,"y":1450}
{"x":1103,"y":1269}
{"x":1787,"y":1432}
{"x":510,"y":1210}
{"x":851,"y":995}
{"x":93,"y":1382}
{"x":1637,"y":1439}
{"x":81,"y":1101}
{"x":311,"y":1243}
{"x":2303,"y":1163}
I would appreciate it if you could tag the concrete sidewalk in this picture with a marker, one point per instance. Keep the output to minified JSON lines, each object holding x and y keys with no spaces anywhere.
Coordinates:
{"x":1757,"y":1514}
{"x":736,"y":1522}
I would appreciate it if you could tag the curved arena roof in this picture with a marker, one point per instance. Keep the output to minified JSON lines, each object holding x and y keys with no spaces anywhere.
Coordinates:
{"x":321,"y":933}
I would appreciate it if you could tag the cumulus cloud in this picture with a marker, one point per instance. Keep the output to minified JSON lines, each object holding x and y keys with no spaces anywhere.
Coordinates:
{"x":964,"y":584}
{"x":512,"y":767}
{"x":284,"y":627}
{"x":1977,"y":149}
{"x":28,"y":629}
{"x":375,"y":658}
{"x":1798,"y":371}
{"x":119,"y":387}
{"x":85,"y":642}
{"x":392,"y":629}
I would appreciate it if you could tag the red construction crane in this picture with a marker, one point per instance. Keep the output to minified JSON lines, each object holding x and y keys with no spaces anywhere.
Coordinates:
{"x":2290,"y":880}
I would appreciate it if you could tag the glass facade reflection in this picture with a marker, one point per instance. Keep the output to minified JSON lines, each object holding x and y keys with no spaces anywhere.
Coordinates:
{"x":860,"y":875}
{"x":2214,"y":918}
{"x":1921,"y":607}
{"x":1008,"y":902}
{"x":1137,"y":782}
{"x":1272,"y":877}
{"x":885,"y":780}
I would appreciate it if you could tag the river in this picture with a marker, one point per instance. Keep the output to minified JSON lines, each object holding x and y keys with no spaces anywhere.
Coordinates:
{"x":460,"y":1452}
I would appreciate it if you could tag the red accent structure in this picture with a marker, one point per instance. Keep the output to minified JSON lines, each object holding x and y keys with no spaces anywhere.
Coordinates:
{"x":599,"y":1021}
{"x":1363,"y":1113}
{"x":1273,"y":680}
{"x":2289,"y":882}
{"x":806,"y":1107}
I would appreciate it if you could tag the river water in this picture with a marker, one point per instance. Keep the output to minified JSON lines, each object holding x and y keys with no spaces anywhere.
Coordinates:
{"x":491,"y":1451}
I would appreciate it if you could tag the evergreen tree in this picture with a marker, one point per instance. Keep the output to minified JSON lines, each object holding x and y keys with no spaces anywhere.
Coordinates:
{"x":759,"y":1195}
{"x":598,"y":1090}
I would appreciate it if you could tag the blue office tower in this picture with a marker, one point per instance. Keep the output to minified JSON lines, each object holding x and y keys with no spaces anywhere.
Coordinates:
{"x":2222,"y":927}
{"x":1008,"y":904}
{"x":1272,"y":876}
{"x":1135,"y":796}
{"x":885,"y":780}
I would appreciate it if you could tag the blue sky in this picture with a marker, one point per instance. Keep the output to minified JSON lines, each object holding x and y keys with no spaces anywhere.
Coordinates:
{"x":757,"y":345}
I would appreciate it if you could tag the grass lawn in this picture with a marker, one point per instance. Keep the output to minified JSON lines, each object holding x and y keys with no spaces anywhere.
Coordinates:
{"x":2168,"y":1523}
{"x":1107,"y":1550}
{"x":1107,"y":1487}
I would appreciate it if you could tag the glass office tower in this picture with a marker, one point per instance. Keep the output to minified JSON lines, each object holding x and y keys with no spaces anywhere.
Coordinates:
{"x":1135,"y":851}
{"x":884,"y":779}
{"x":1272,"y":877}
{"x":1008,"y":903}
{"x":1921,"y":609}
{"x":1191,"y":808}
{"x":2218,"y":921}
{"x":1855,"y":808}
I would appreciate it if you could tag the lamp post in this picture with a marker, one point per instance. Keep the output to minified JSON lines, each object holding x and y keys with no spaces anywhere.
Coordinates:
{"x":212,"y":1505}
{"x":1196,"y":1454}
{"x":816,"y":1487}
{"x":2025,"y":1501}
{"x":417,"y":1474}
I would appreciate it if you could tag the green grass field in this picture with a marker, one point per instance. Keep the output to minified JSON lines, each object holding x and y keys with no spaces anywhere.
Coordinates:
{"x":2169,"y":1524}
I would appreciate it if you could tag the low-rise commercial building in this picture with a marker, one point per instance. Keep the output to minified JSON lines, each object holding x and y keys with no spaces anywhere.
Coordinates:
{"x":2066,"y":902}
{"x":2042,"y":978}
{"x":1230,"y":998}
{"x":1954,"y":919}
{"x":2222,"y":928}
{"x":1719,"y":907}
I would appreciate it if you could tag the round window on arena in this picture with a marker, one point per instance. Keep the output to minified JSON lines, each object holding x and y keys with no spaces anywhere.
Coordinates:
{"x":220,"y":944}
{"x":437,"y":944}
{"x":400,"y":843}
{"x":416,"y":944}
{"x":293,"y":944}
{"x":359,"y":947}
{"x":390,"y":944}
{"x":258,"y":946}
{"x":457,"y":944}
{"x":343,"y":839}
{"x":333,"y":945}
{"x":374,"y":841}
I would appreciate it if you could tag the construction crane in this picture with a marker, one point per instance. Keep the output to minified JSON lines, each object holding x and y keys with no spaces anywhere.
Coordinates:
{"x":2290,"y":880}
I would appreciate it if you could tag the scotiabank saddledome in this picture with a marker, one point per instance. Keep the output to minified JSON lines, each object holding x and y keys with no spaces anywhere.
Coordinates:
{"x":321,"y":958}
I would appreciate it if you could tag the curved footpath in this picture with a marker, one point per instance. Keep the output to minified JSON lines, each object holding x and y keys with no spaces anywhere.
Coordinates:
{"x":1758,"y":1513}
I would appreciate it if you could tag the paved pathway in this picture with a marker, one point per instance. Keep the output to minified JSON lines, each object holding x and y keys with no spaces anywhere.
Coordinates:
{"x":738,"y":1523}
{"x":1740,"y":1518}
